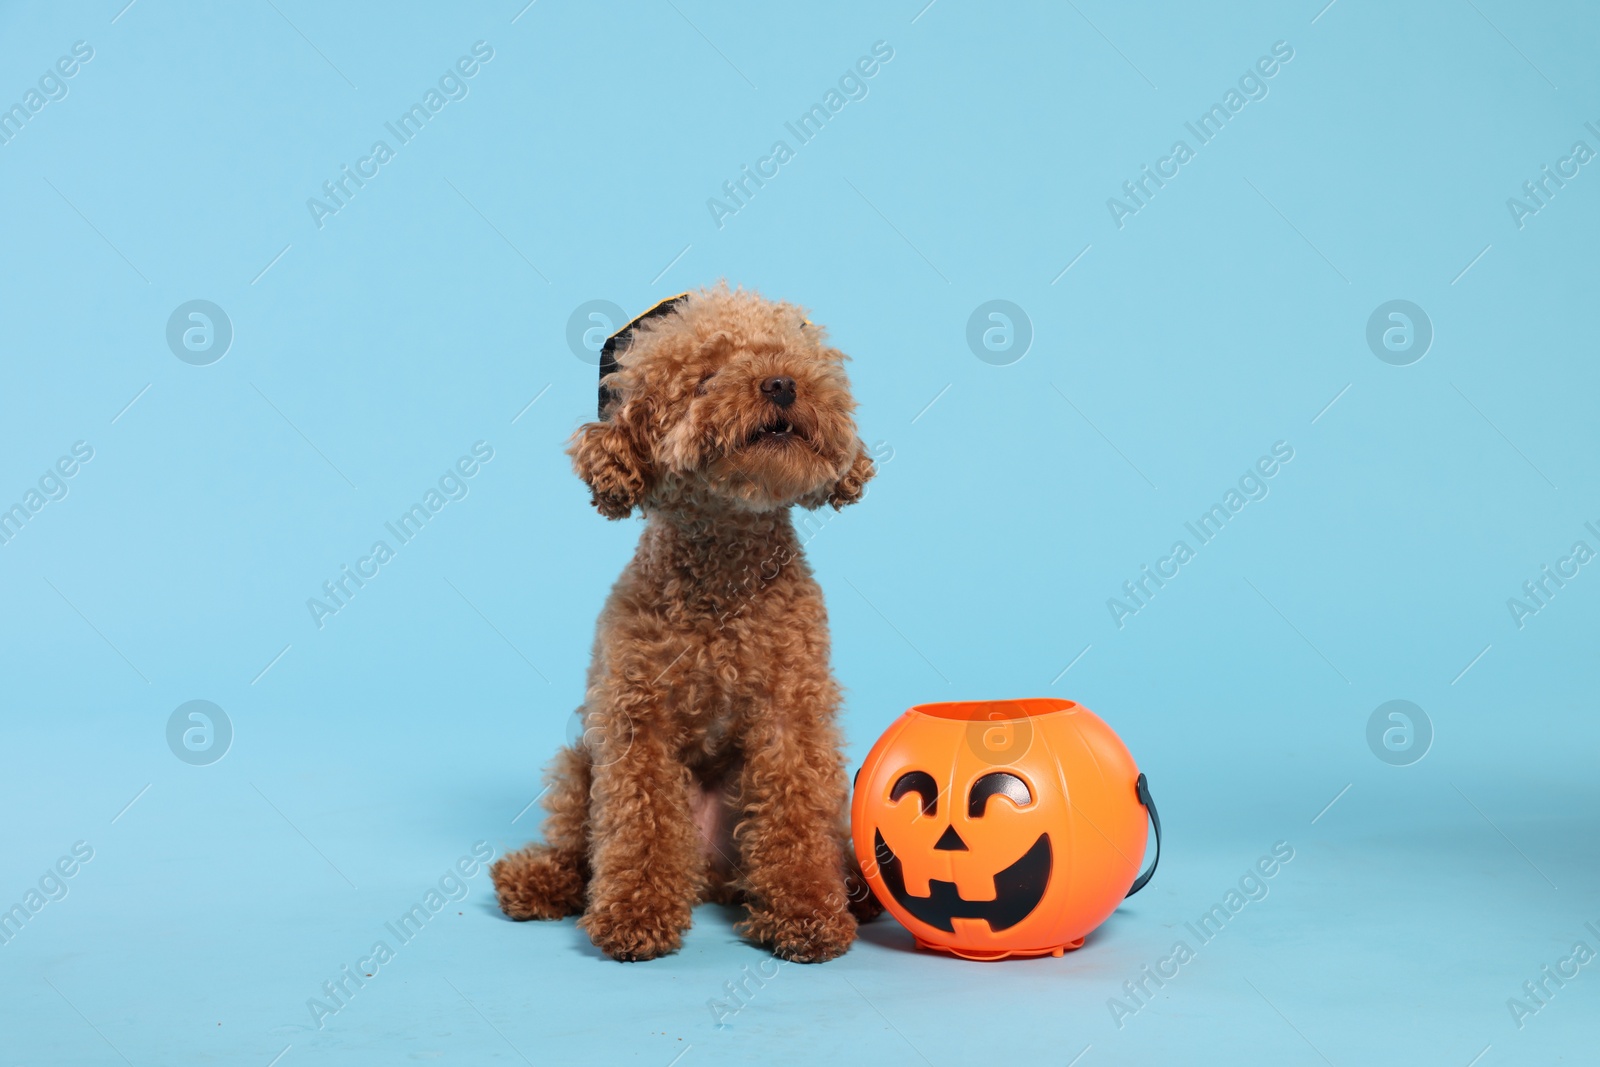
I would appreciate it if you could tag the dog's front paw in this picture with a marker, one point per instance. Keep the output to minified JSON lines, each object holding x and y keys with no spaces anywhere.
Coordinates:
{"x":537,"y":883}
{"x":633,"y":934}
{"x":813,"y":938}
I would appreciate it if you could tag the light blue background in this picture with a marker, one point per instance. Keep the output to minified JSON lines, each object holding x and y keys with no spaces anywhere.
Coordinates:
{"x":429,"y":312}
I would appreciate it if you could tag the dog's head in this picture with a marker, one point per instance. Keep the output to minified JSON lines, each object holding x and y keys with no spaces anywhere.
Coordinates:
{"x":727,"y":399}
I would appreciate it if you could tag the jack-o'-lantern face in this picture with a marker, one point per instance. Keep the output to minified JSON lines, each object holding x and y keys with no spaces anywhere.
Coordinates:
{"x":1017,"y":886}
{"x":999,"y":828}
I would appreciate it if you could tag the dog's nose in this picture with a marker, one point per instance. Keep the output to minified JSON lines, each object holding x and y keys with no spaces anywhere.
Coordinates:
{"x":779,"y":390}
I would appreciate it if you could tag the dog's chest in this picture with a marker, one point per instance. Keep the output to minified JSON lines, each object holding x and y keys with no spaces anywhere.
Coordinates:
{"x":706,"y":702}
{"x":707,"y":693}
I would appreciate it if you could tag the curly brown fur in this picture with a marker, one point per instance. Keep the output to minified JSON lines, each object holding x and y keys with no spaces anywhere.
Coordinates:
{"x":710,"y":765}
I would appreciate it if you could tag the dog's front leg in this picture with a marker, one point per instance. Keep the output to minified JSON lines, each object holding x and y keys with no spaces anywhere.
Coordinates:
{"x":644,"y":849}
{"x":790,"y":842}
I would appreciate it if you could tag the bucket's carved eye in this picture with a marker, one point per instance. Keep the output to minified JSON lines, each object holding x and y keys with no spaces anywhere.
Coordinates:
{"x":997,"y":783}
{"x":921,"y":783}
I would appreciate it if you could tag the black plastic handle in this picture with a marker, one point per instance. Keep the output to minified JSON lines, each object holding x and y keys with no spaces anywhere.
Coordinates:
{"x":1142,"y":788}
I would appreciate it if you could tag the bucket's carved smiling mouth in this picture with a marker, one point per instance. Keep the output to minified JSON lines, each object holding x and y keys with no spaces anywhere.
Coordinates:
{"x":1017,"y":890}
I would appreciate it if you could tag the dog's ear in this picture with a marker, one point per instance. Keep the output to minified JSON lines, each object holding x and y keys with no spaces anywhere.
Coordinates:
{"x":613,"y":459}
{"x":850,"y":488}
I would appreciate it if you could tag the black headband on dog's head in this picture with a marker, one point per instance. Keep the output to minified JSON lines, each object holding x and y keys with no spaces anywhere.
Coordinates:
{"x":619,"y":341}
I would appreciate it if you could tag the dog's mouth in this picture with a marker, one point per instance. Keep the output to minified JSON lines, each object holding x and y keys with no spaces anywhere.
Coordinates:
{"x":1018,"y":889}
{"x":777,"y":431}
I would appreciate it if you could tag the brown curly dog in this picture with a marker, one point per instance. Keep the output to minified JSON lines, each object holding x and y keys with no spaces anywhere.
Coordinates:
{"x":710,"y":765}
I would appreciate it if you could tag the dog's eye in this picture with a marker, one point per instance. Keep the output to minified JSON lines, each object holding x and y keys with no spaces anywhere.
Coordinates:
{"x":997,"y":783}
{"x":921,"y":783}
{"x":704,"y":383}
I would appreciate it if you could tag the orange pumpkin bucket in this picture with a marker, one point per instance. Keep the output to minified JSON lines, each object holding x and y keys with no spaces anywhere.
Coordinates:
{"x":1001,"y":828}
